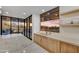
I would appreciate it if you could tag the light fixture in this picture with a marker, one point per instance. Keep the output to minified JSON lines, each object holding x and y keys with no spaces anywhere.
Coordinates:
{"x":43,"y":10}
{"x":24,"y":13}
{"x":6,"y":12}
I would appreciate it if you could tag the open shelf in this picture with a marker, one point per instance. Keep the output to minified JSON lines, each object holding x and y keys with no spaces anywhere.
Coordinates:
{"x":69,"y":25}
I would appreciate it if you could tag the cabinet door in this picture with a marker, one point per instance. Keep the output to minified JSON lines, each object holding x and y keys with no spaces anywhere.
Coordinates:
{"x":78,"y":49}
{"x":44,"y":42}
{"x":37,"y":38}
{"x":50,"y":44}
{"x":53,"y":45}
{"x":68,"y":48}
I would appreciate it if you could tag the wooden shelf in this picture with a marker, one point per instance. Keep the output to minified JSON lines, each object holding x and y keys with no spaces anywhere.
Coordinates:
{"x":69,"y":25}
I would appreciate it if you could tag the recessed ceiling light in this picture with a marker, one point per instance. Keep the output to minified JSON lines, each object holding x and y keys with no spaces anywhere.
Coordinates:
{"x":24,"y":13}
{"x":43,"y":10}
{"x":6,"y":12}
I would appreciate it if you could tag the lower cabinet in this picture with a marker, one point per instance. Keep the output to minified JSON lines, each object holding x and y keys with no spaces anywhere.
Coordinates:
{"x":78,"y":49}
{"x":68,"y":48}
{"x":54,"y":45}
{"x":37,"y":39}
{"x":44,"y":42}
{"x":51,"y":45}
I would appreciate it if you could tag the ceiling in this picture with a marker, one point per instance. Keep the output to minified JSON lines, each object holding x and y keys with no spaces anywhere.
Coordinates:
{"x":65,"y":9}
{"x":24,"y":11}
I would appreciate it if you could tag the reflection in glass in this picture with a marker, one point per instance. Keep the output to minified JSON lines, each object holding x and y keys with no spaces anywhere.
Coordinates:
{"x":30,"y":27}
{"x":5,"y":25}
{"x":25,"y":27}
{"x":14,"y":25}
{"x":0,"y":24}
{"x":21,"y":26}
{"x":51,"y":25}
{"x":50,"y":20}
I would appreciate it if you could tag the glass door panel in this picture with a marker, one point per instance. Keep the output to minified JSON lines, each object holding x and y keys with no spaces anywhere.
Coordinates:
{"x":5,"y":25}
{"x":0,"y":24}
{"x":26,"y":27}
{"x":30,"y":19}
{"x":14,"y":25}
{"x":21,"y":26}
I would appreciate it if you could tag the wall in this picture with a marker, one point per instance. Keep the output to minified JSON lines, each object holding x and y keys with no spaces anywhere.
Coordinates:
{"x":67,"y":18}
{"x":64,"y":9}
{"x":36,"y":24}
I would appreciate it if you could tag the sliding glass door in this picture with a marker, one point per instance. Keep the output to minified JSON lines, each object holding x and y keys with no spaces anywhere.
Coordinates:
{"x":25,"y":26}
{"x":14,"y":25}
{"x":30,"y":27}
{"x":0,"y":24}
{"x":21,"y":26}
{"x":5,"y":25}
{"x":10,"y":25}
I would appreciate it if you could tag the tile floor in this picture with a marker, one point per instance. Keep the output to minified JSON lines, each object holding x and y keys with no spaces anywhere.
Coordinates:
{"x":17,"y":43}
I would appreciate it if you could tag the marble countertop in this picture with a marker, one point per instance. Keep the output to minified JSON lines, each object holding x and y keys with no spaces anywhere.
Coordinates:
{"x":66,"y":37}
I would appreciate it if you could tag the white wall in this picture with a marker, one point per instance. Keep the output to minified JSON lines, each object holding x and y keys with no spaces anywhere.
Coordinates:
{"x":64,"y":9}
{"x":35,"y":24}
{"x":68,"y":18}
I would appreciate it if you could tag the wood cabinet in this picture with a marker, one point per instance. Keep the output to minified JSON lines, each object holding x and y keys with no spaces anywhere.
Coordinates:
{"x":78,"y":49}
{"x":68,"y":48}
{"x":44,"y":42}
{"x":37,"y":39}
{"x":55,"y":46}
{"x":50,"y":45}
{"x":47,"y":43}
